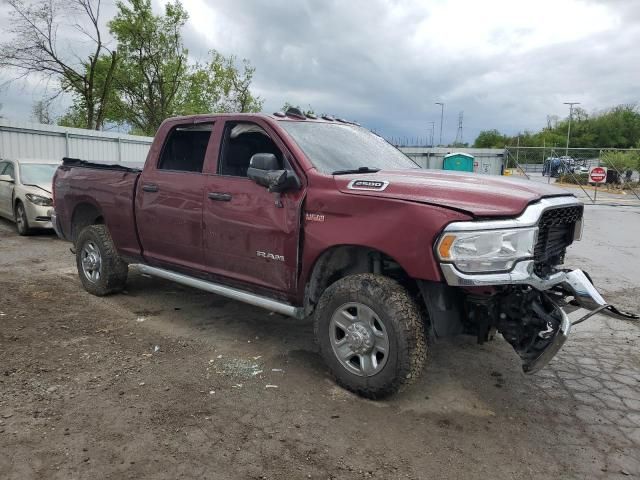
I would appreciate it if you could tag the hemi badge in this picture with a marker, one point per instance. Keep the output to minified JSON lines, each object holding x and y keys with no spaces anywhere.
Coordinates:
{"x":314,"y":217}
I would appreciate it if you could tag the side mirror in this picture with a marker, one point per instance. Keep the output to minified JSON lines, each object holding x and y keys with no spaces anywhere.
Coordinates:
{"x":6,"y":178}
{"x":264,"y":161}
{"x":265,"y":170}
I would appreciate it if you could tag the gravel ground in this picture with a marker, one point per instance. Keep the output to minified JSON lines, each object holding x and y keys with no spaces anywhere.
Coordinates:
{"x":168,"y":382}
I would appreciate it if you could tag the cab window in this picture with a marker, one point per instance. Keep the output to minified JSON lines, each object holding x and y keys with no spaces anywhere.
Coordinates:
{"x":185,"y":148}
{"x":241,"y":141}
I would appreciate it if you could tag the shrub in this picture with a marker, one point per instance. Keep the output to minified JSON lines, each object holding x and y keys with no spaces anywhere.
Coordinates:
{"x":576,"y":179}
{"x":621,"y":160}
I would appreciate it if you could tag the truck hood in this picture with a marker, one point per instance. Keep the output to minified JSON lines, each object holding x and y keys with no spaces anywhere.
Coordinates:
{"x":479,"y":195}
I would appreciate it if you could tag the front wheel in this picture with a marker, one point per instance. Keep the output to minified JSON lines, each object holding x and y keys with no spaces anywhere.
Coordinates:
{"x":371,"y":334}
{"x":100,"y":268}
{"x":22,"y":223}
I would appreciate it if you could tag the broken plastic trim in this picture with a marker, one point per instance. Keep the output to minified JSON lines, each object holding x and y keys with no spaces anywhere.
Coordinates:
{"x":589,"y":315}
{"x":561,"y":335}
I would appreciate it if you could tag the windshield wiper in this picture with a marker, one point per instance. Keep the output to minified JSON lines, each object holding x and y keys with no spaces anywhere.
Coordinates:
{"x":356,"y":170}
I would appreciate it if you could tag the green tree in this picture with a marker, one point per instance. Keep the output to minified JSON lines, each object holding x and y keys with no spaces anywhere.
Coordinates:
{"x":490,"y":139}
{"x":155,"y":79}
{"x":77,"y":112}
{"x":307,"y":111}
{"x":621,"y":161}
{"x":74,"y":117}
{"x":40,"y":112}
{"x":220,"y":86}
{"x":617,"y":127}
{"x":153,"y":69}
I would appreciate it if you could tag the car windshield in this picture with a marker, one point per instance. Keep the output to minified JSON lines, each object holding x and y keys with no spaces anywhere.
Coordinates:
{"x":37,"y":173}
{"x":335,"y":147}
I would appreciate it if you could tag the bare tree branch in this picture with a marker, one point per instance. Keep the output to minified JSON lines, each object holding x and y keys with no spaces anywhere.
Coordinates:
{"x":34,"y":49}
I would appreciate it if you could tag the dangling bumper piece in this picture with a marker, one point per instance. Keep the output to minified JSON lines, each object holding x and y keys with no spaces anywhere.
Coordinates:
{"x":531,"y":312}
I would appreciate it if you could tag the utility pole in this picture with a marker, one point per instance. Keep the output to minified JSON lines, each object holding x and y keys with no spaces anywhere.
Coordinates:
{"x":441,"y":118}
{"x":571,"y":104}
{"x":459,"y":132}
{"x":433,"y":126}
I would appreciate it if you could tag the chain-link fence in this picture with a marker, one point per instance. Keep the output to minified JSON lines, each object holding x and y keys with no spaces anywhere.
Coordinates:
{"x":569,"y":168}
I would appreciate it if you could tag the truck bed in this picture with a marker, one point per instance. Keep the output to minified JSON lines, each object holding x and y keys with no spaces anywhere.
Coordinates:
{"x":98,"y":190}
{"x":124,"y":166}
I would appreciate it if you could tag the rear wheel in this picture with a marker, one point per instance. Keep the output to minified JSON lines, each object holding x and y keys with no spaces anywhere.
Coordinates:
{"x":100,"y":268}
{"x":22,"y":223}
{"x":371,"y":334}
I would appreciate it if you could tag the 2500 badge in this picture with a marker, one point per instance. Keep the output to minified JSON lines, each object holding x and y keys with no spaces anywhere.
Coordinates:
{"x":375,"y":185}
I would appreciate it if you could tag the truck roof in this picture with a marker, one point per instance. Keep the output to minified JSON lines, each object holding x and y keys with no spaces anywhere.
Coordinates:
{"x":292,"y":115}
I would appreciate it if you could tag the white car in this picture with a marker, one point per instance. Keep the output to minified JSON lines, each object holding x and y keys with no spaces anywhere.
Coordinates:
{"x":25,"y":193}
{"x":567,"y":160}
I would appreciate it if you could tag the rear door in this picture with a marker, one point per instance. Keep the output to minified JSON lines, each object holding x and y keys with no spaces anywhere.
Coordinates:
{"x":169,"y":198}
{"x":252,"y":235}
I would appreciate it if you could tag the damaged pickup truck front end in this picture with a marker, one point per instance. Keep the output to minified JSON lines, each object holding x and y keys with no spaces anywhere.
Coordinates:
{"x":510,"y":273}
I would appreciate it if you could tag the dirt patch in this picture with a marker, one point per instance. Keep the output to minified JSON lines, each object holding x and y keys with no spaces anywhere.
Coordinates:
{"x":207,"y":388}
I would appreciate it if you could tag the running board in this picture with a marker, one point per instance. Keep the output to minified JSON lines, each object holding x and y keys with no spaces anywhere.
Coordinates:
{"x":229,"y":292}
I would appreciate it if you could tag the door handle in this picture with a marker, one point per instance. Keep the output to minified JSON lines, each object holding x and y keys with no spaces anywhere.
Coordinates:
{"x":150,"y":187}
{"x":221,"y":197}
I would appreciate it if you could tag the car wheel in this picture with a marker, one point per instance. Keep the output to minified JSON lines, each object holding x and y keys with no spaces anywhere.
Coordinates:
{"x":22,"y":224}
{"x":371,"y":334}
{"x":100,"y":268}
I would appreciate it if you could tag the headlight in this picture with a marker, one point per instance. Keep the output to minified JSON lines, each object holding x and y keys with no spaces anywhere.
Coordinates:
{"x":487,"y":251}
{"x":39,"y":200}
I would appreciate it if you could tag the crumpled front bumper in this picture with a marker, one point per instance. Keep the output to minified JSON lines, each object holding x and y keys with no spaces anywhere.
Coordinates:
{"x":38,"y":216}
{"x":569,"y":291}
{"x":574,"y":283}
{"x":585,"y":295}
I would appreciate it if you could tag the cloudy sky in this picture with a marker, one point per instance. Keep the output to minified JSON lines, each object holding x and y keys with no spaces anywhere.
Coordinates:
{"x":506,"y":63}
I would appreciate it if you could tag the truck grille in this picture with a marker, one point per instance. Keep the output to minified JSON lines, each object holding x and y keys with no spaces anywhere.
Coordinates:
{"x":555,"y":233}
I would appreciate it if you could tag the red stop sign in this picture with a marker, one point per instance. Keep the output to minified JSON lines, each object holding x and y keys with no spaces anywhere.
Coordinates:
{"x":598,"y":174}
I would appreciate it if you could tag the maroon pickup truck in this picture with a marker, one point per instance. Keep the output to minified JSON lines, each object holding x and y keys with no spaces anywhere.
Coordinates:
{"x":318,"y":217}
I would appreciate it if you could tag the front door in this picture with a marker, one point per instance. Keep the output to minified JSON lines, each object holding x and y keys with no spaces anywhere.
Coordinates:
{"x":169,"y":199}
{"x":6,"y":190}
{"x":251,"y":235}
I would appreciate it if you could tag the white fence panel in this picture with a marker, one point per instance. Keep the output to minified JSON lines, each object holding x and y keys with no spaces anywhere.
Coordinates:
{"x":21,"y":140}
{"x":488,"y":161}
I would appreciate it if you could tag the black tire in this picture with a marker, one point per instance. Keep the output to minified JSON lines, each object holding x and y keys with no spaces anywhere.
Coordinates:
{"x":112,"y":271}
{"x":22,"y":223}
{"x":401,"y":320}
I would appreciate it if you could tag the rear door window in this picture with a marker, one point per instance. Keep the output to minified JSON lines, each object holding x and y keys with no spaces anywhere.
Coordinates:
{"x":185,"y":148}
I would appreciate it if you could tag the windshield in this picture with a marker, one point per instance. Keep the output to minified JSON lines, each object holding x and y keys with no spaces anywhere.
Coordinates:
{"x":333,"y":147}
{"x":37,"y":173}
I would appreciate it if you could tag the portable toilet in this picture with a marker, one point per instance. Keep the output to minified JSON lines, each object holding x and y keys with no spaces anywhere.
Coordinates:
{"x":460,"y":161}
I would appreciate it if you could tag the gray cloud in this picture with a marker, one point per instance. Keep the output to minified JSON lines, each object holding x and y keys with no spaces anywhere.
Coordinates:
{"x":384,"y":63}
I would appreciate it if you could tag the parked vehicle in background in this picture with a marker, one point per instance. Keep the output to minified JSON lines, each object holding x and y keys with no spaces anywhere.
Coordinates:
{"x":556,"y":166}
{"x":25,"y":193}
{"x":321,"y":218}
{"x":568,"y":161}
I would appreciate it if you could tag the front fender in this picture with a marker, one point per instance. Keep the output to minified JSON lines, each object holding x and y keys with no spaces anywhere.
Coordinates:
{"x":405,"y":231}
